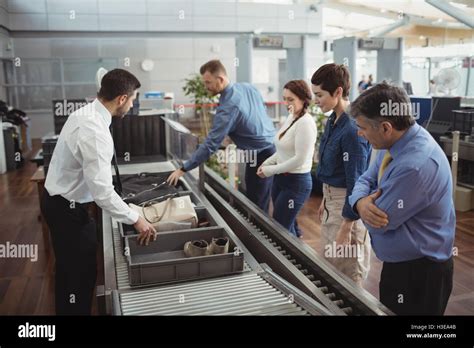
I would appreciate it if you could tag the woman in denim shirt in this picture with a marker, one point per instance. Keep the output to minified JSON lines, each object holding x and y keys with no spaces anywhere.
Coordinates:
{"x":343,"y":157}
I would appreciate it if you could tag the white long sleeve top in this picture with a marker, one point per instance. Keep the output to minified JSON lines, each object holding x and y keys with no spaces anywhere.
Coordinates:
{"x":295,"y":150}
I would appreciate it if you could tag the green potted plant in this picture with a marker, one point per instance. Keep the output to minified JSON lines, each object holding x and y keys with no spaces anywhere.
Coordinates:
{"x":194,"y":87}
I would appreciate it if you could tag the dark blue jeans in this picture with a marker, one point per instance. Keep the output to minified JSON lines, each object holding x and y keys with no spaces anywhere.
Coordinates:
{"x":289,"y":192}
{"x":259,"y":190}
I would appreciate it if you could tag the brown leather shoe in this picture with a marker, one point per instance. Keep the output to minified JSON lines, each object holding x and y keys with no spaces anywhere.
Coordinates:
{"x":219,"y":245}
{"x":196,"y":248}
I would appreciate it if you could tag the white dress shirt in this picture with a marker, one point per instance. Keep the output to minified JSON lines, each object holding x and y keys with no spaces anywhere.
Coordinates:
{"x":80,"y":169}
{"x":295,"y":150}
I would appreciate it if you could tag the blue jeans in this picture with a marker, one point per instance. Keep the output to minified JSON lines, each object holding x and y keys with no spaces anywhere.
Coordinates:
{"x":289,"y":192}
{"x":258,"y":189}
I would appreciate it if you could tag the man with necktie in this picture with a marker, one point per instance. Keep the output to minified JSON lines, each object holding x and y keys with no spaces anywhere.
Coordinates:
{"x":80,"y":173}
{"x":405,"y":200}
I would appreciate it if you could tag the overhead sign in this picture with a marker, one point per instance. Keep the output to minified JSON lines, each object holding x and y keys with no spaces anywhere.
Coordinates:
{"x":371,"y":44}
{"x":273,"y":41}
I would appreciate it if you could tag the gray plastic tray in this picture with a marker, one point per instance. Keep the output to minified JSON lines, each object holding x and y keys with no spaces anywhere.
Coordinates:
{"x":164,"y":261}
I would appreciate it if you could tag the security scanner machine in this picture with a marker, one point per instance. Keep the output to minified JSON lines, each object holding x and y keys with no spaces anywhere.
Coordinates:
{"x":441,"y":121}
{"x":462,"y":121}
{"x":451,"y":124}
{"x":138,"y":137}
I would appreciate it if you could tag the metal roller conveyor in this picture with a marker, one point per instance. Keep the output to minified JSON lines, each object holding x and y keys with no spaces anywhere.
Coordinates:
{"x":121,"y":266}
{"x":246,"y":294}
{"x":255,"y":291}
{"x":289,"y":257}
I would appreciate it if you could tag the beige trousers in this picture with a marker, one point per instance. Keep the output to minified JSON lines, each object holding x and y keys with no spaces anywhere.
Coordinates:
{"x":353,"y":260}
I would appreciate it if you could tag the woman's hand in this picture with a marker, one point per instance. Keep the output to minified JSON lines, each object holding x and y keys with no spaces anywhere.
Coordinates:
{"x":260,"y":172}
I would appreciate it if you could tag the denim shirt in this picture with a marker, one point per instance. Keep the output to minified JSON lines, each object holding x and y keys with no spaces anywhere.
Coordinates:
{"x":343,"y":157}
{"x":242,"y":115}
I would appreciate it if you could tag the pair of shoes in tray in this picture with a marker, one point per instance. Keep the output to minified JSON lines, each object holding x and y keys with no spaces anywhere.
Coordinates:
{"x":202,"y":248}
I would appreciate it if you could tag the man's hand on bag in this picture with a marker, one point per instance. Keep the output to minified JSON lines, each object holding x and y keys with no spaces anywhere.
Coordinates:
{"x":370,"y":213}
{"x":146,"y":231}
{"x":174,"y":177}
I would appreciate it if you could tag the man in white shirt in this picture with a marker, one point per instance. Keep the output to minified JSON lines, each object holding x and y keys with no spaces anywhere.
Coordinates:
{"x":80,"y":173}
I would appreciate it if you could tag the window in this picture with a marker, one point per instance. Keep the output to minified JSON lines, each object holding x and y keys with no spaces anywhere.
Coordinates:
{"x":80,"y":91}
{"x":38,"y":71}
{"x":38,"y":97}
{"x":36,"y":82}
{"x":84,"y":70}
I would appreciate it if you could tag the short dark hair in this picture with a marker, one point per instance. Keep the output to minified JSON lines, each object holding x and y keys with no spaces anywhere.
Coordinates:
{"x":214,"y":67}
{"x":117,"y":82}
{"x":331,"y":76}
{"x":380,"y":102}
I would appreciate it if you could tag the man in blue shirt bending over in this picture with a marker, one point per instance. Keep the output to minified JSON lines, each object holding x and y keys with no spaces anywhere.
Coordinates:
{"x":405,"y":200}
{"x":242,"y":115}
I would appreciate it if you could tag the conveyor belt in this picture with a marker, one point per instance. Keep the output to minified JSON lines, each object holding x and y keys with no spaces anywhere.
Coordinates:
{"x":121,"y":266}
{"x":259,"y":290}
{"x":246,"y":294}
{"x":256,"y":291}
{"x":269,"y":243}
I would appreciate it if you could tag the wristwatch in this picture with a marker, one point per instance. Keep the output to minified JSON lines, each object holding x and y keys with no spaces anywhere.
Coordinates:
{"x":182,"y":168}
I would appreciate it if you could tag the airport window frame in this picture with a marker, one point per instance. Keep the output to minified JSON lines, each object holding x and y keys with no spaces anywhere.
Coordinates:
{"x":13,"y":87}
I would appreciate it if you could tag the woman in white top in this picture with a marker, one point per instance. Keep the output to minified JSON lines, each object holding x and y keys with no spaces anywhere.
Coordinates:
{"x":292,"y":162}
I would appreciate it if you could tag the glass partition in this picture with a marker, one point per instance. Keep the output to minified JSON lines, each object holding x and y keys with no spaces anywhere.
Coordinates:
{"x":180,"y":142}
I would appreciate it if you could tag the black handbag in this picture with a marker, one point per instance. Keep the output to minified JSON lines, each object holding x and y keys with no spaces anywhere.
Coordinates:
{"x":143,"y":187}
{"x":138,"y":188}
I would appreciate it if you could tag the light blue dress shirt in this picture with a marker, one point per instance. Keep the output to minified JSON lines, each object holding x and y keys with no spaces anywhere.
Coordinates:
{"x":417,"y":197}
{"x":242,"y":115}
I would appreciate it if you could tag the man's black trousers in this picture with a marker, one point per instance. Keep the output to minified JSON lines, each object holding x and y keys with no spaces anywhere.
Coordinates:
{"x":416,"y":287}
{"x":74,"y":239}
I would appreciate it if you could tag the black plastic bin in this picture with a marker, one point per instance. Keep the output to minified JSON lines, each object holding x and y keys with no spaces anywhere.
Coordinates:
{"x":164,"y":261}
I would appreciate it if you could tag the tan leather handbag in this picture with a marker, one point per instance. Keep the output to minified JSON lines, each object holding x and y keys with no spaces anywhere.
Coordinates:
{"x":177,"y":211}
